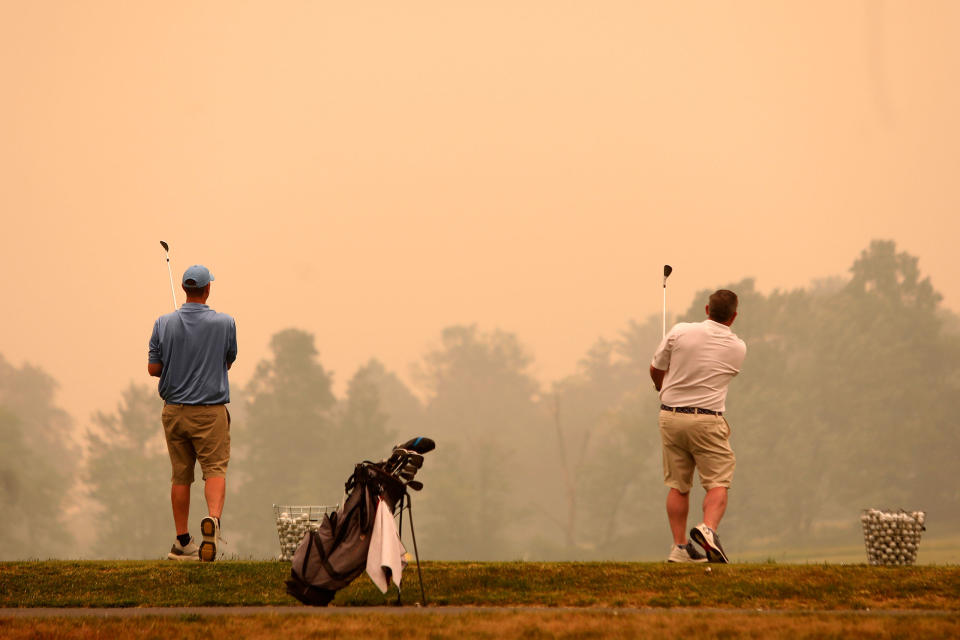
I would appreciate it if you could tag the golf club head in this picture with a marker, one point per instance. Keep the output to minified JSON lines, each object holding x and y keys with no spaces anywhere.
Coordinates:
{"x":400,"y":459}
{"x":165,"y":246}
{"x":667,"y":270}
{"x":420,"y":445}
{"x":416,"y":485}
{"x":408,"y":470}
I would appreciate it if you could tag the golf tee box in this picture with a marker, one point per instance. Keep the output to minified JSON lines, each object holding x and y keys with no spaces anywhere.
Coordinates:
{"x":892,"y":537}
{"x":293,"y":521}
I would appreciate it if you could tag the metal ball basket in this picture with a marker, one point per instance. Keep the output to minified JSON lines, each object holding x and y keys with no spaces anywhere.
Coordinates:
{"x":293,"y":521}
{"x":892,"y":537}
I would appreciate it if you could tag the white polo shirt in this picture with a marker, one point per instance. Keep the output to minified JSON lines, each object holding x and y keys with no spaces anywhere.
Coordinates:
{"x":700,"y":359}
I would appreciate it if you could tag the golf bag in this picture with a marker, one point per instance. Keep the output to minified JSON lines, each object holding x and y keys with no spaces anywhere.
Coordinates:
{"x":335,"y":554}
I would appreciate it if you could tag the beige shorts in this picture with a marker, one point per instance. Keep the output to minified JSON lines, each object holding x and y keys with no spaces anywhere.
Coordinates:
{"x":197,"y":433}
{"x":696,"y":440}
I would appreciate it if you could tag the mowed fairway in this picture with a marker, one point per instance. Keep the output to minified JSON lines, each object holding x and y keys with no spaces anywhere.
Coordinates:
{"x":491,"y":600}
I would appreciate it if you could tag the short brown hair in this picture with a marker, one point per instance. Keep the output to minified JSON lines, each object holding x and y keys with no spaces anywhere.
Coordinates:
{"x":723,"y":304}
{"x":191,"y":290}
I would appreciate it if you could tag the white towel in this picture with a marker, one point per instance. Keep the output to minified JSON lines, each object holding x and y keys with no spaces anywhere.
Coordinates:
{"x":385,"y":559}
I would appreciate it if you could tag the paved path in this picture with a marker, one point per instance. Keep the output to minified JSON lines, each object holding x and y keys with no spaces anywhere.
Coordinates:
{"x":135,"y":612}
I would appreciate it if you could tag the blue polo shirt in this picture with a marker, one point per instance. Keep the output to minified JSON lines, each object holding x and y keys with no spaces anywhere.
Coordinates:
{"x":195,"y":345}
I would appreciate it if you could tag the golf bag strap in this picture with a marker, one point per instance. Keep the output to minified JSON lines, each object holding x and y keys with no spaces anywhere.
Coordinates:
{"x":361,"y":511}
{"x":324,"y":560}
{"x":306,"y":556}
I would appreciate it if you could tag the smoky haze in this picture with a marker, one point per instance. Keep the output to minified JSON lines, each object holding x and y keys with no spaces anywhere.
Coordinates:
{"x":839,"y":407}
{"x":452,"y":221}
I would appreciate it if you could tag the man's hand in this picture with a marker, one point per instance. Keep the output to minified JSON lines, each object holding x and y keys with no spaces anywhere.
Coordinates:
{"x":155,"y":369}
{"x":657,"y":376}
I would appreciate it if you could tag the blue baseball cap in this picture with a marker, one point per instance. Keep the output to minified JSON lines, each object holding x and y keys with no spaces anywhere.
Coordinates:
{"x":199,"y":275}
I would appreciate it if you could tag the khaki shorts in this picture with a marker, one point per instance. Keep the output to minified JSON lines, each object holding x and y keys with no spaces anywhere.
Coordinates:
{"x":197,"y":433}
{"x":696,"y":440}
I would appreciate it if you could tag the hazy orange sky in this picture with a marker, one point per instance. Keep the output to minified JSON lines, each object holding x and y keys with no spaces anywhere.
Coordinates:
{"x":373,"y":172}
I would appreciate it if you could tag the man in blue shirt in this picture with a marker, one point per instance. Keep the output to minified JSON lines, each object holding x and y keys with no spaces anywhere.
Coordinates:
{"x":190,"y":351}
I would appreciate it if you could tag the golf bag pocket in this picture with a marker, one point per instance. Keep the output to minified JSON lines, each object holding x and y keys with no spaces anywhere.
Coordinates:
{"x":300,"y":588}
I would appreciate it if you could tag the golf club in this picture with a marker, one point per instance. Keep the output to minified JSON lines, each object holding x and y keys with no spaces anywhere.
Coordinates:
{"x":173,"y":292}
{"x":667,"y":270}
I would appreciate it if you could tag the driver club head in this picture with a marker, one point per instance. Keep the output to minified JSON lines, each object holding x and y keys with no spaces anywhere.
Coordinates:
{"x":421,"y":444}
{"x":667,"y":270}
{"x":165,"y":246}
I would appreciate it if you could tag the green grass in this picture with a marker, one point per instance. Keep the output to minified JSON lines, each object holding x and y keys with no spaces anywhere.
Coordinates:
{"x":737,"y":586}
{"x":611,"y":600}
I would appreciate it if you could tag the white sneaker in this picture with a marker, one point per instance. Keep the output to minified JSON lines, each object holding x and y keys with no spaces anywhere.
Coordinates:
{"x":210,"y":530}
{"x":710,"y":541}
{"x":685,"y":553}
{"x":180,"y":552}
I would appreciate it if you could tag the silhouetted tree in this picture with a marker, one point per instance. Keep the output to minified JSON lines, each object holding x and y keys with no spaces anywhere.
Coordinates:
{"x":37,"y":465}
{"x":902,"y":429}
{"x":286,"y":450}
{"x":403,"y":409}
{"x":363,"y":421}
{"x":485,"y":476}
{"x":585,"y":407}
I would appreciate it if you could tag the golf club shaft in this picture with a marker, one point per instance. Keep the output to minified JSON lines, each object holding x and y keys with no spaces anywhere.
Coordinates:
{"x":173,"y":291}
{"x":664,"y":334}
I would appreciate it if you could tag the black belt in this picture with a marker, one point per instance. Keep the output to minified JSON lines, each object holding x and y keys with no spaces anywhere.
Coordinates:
{"x":691,"y":410}
{"x":184,"y":404}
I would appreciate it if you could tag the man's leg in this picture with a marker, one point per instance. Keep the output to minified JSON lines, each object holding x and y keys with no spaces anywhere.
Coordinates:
{"x":211,"y":429}
{"x":714,"y":506}
{"x":678,"y":467}
{"x":705,"y":534}
{"x":716,"y":463}
{"x":182,"y":461}
{"x":212,"y":435}
{"x":215,"y":491}
{"x":678,"y":505}
{"x":180,"y":500}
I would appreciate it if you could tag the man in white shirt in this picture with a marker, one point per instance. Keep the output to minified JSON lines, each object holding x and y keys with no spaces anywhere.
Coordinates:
{"x":691,"y":369}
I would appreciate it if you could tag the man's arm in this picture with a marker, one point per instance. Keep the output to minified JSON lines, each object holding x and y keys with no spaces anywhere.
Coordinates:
{"x":231,"y":344}
{"x":662,"y":357}
{"x":154,"y":359}
{"x":657,"y":376}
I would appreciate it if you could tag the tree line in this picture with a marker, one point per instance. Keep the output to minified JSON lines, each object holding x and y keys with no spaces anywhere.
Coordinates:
{"x":844,"y":402}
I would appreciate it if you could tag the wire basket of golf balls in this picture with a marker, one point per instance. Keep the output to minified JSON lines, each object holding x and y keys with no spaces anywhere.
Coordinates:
{"x":294,"y":521}
{"x":892,"y":537}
